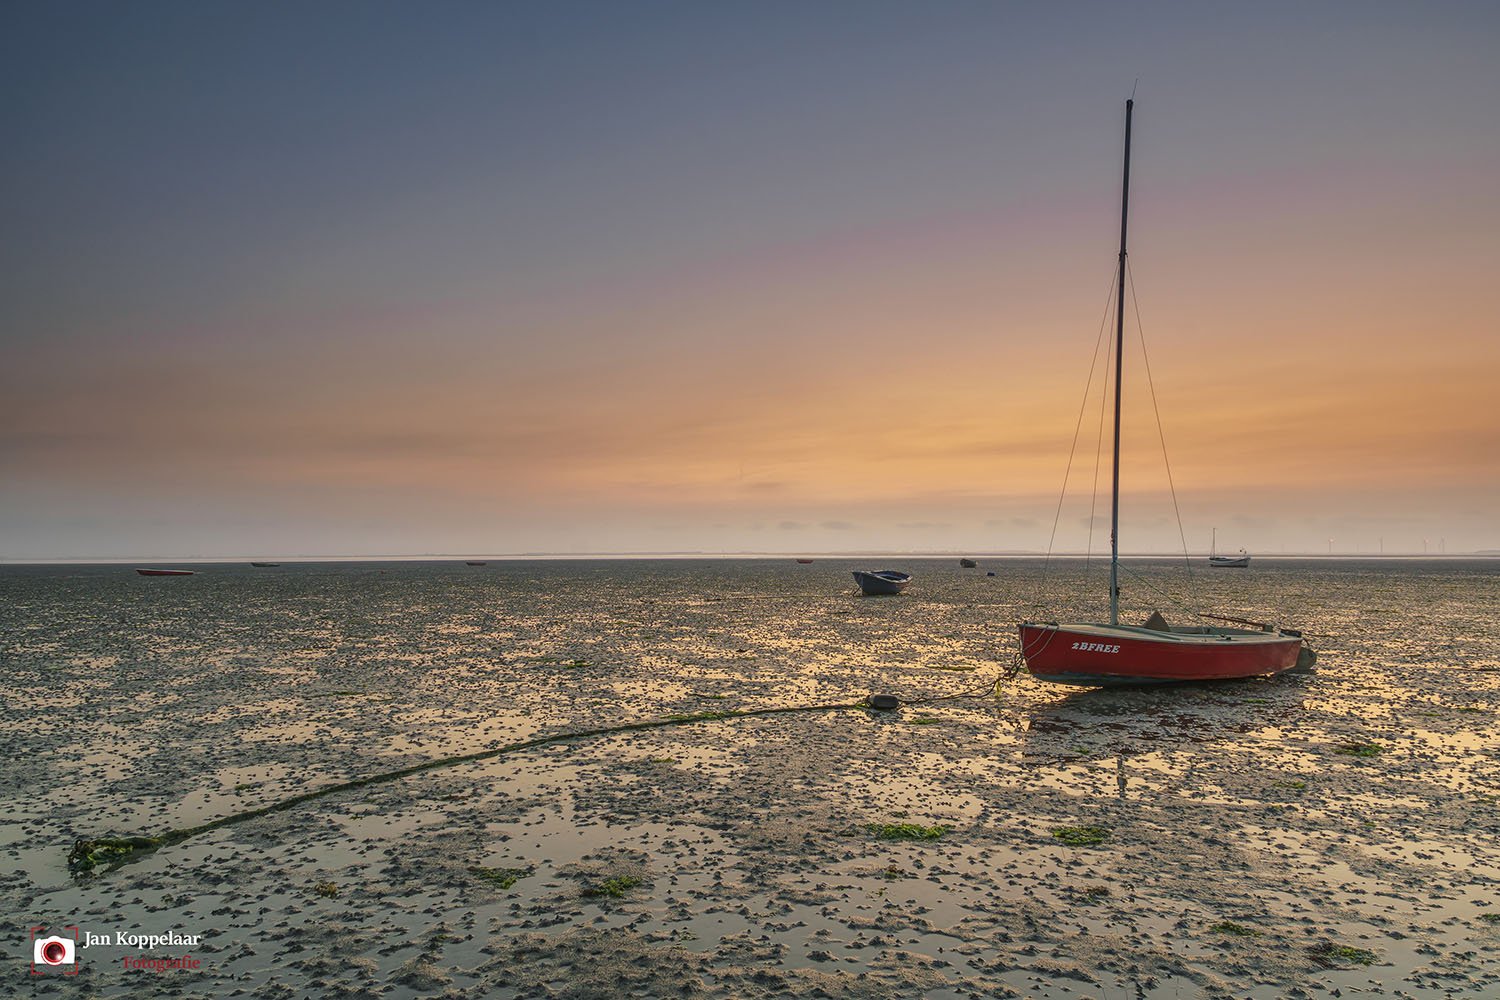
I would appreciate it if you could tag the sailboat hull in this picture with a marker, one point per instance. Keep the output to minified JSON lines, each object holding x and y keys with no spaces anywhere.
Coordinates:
{"x":1116,"y":655}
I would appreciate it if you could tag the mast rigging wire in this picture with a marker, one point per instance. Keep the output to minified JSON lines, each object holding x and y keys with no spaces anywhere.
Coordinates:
{"x":1077,"y":427}
{"x":1140,"y":332}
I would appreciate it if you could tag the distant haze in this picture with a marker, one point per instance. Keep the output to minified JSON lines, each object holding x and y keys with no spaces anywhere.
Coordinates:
{"x":349,"y":278}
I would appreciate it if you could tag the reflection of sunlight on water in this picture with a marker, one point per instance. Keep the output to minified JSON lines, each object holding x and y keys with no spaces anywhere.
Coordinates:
{"x":1454,"y":858}
{"x":716,"y":762}
{"x":650,"y":689}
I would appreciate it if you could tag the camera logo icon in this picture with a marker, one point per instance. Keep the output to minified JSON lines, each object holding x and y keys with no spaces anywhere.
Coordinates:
{"x":54,"y":953}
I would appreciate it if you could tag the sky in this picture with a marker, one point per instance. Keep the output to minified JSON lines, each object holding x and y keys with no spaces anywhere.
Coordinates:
{"x":371,"y":278}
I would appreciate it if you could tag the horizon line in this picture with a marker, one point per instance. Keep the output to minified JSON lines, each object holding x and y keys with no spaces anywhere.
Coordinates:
{"x":704,"y":554}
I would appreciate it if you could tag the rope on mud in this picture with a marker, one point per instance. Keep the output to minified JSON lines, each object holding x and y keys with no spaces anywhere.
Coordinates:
{"x":985,"y":690}
{"x":112,"y":852}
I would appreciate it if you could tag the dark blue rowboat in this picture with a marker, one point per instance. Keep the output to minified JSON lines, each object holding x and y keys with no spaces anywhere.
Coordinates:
{"x":881,"y":581}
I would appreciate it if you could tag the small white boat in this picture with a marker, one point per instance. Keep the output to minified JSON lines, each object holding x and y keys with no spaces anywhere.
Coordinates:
{"x":1240,"y":561}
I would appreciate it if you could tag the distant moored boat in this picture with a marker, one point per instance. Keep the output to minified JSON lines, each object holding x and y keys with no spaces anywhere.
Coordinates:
{"x":804,"y":561}
{"x":881,"y":581}
{"x":967,"y":563}
{"x":473,"y":562}
{"x":1240,"y":561}
{"x":264,"y":565}
{"x":165,"y":572}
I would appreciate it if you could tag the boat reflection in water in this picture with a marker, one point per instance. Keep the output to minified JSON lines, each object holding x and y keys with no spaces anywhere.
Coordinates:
{"x":1162,"y":739}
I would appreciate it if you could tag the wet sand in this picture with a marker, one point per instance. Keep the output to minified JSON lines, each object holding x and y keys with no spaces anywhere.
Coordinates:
{"x":1262,"y":840}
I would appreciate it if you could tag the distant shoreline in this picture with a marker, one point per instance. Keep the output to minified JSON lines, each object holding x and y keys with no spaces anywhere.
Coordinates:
{"x":1487,"y":554}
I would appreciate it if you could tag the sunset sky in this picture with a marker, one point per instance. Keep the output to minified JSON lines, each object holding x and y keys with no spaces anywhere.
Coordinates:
{"x":354,"y":278}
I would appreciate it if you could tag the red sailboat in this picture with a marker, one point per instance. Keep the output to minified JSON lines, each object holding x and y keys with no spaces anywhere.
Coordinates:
{"x":1154,"y":652}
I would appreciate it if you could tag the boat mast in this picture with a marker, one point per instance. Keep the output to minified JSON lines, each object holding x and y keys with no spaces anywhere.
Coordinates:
{"x":1114,"y":512}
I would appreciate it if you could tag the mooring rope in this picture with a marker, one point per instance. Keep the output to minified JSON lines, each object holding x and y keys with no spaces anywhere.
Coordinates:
{"x":112,"y":852}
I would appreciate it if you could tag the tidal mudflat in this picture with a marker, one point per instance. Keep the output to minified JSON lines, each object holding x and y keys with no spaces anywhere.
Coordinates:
{"x":1328,"y":834}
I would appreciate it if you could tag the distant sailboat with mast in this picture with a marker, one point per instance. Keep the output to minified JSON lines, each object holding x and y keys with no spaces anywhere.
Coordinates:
{"x":1112,"y":653}
{"x":1240,"y":561}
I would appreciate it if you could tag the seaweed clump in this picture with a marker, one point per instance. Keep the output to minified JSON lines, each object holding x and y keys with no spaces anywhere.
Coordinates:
{"x":906,"y":831}
{"x":109,"y":852}
{"x":1234,"y":930}
{"x":1082,"y":836}
{"x":501,"y":878}
{"x":614,"y":888}
{"x":1331,"y":954}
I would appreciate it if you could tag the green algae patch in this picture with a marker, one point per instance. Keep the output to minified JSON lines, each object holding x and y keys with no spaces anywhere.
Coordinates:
{"x":1330,"y":953}
{"x":327,"y":890}
{"x":1082,"y":836}
{"x":906,"y":831}
{"x":1490,"y":918}
{"x":614,"y":888}
{"x":926,"y":720}
{"x":110,"y":852}
{"x":1360,"y":749}
{"x":1234,"y":929}
{"x":500,"y":878}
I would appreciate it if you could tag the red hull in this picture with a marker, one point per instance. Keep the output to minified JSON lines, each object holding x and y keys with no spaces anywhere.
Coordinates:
{"x":165,"y":572}
{"x":1103,"y":655}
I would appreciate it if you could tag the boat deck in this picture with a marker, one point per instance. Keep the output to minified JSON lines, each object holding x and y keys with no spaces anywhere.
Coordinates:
{"x":1176,"y":634}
